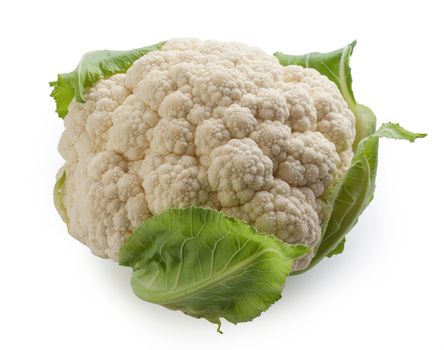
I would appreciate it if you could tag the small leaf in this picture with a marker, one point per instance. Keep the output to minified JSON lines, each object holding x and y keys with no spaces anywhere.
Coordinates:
{"x":93,"y":66}
{"x":207,"y":265}
{"x":338,"y":250}
{"x":57,"y":196}
{"x":396,"y":131}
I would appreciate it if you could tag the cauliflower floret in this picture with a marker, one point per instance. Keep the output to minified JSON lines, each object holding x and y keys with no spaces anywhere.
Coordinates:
{"x":198,"y":114}
{"x":285,"y":212}
{"x":174,"y":182}
{"x":237,"y":170}
{"x":278,"y":210}
{"x":97,"y":126}
{"x":216,"y":85}
{"x":239,"y":121}
{"x":209,"y":124}
{"x":154,"y":88}
{"x":173,"y":136}
{"x":210,"y":135}
{"x":338,"y":129}
{"x":181,"y":73}
{"x":273,"y":139}
{"x":271,"y":105}
{"x":130,"y":123}
{"x":301,"y":106}
{"x":175,"y":105}
{"x":311,"y":161}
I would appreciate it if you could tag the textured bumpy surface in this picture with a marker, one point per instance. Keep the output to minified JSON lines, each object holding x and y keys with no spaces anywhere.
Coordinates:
{"x":208,"y":124}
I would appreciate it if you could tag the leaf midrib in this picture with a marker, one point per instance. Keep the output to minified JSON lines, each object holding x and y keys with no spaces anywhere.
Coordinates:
{"x":343,"y":80}
{"x":183,"y":293}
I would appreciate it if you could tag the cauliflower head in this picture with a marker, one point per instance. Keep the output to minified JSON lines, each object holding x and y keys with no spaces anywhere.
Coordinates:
{"x":206,"y":124}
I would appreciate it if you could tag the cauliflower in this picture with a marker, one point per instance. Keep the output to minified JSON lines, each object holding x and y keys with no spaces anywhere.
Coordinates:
{"x":213,"y":169}
{"x":207,"y":124}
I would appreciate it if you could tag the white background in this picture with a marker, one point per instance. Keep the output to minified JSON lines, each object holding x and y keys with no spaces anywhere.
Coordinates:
{"x":384,"y":292}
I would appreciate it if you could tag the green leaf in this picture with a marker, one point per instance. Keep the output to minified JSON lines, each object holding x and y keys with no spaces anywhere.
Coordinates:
{"x":207,"y":265}
{"x":351,"y":195}
{"x":396,"y":131}
{"x":57,"y":196}
{"x":335,"y":66}
{"x":338,"y":250}
{"x":93,"y":66}
{"x":365,"y":123}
